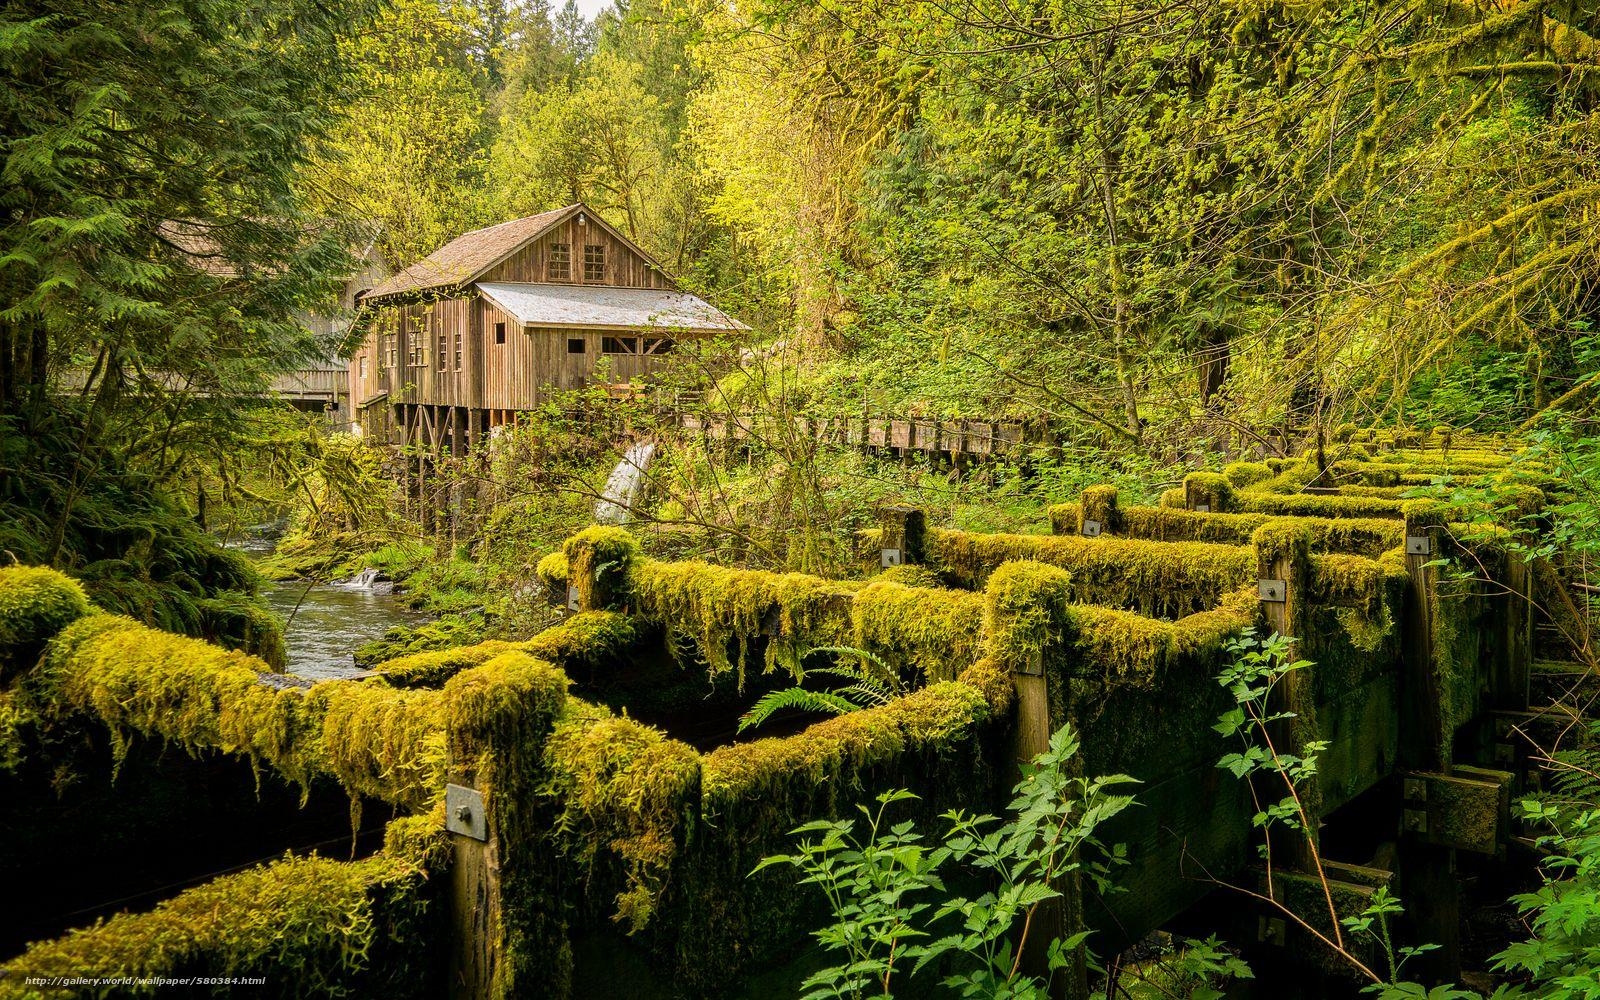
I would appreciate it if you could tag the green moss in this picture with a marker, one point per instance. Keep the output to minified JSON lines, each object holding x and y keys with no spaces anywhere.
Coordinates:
{"x":431,"y":669}
{"x":1119,"y":647}
{"x":1242,"y":474}
{"x":727,"y":611}
{"x":1169,"y":579}
{"x":1362,"y":536}
{"x":835,"y":752}
{"x":1025,"y":613}
{"x":627,"y":790}
{"x":306,"y":926}
{"x":909,"y":575}
{"x":380,"y":742}
{"x":552,"y":572}
{"x":509,"y":701}
{"x":589,"y":638}
{"x":1173,"y":498}
{"x":598,"y":560}
{"x":937,"y":632}
{"x":1212,"y":489}
{"x":15,"y":721}
{"x":1099,"y":503}
{"x":1317,"y":505}
{"x":35,"y":604}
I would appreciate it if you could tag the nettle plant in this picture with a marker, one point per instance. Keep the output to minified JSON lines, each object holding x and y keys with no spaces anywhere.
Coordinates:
{"x":1277,"y":781}
{"x":894,"y":916}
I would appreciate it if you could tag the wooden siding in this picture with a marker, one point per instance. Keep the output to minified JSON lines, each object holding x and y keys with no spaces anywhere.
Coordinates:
{"x":624,"y":266}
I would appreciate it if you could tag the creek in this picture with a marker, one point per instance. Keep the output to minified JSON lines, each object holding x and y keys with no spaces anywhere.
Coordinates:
{"x":326,"y":622}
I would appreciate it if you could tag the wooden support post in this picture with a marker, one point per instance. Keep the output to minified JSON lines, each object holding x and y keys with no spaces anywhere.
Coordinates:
{"x":903,"y":536}
{"x":1283,"y":564}
{"x":1207,"y":492}
{"x":1428,"y":870}
{"x":1098,"y":513}
{"x":1513,"y":660}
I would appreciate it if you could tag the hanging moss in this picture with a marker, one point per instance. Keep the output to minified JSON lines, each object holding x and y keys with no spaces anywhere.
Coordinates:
{"x":381,"y":742}
{"x":936,"y":632}
{"x":240,"y":621}
{"x":1025,"y":613}
{"x":35,"y":604}
{"x":1157,"y":578}
{"x":15,"y":721}
{"x":1121,"y":647}
{"x":305,"y":926}
{"x":552,"y":572}
{"x":726,"y":610}
{"x":598,"y":560}
{"x":509,"y":701}
{"x":627,"y":790}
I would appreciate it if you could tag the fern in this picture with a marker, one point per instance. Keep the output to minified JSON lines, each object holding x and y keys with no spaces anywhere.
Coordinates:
{"x":863,"y":691}
{"x":797,"y":698}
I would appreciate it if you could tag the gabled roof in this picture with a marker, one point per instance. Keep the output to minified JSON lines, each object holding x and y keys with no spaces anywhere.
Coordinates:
{"x":469,"y":256}
{"x":606,"y":307}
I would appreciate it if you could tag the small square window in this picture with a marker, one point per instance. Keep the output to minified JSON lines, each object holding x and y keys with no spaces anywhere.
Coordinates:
{"x":558,"y":267}
{"x":499,"y":333}
{"x":575,"y":345}
{"x":594,"y":262}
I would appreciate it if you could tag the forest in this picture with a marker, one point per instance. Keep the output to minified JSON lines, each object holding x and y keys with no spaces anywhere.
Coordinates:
{"x":1128,"y":527}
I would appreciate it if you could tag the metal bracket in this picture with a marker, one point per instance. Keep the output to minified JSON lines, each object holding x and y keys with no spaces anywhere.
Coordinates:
{"x":889,"y":557}
{"x":1032,"y":667}
{"x":1202,"y":508}
{"x":572,"y":598}
{"x":1090,"y":529}
{"x":1275,"y":591}
{"x":463,"y":812}
{"x":1419,"y":545}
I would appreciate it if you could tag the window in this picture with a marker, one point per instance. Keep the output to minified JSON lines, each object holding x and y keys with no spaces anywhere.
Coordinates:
{"x":391,"y":353}
{"x":443,"y":357}
{"x":458,"y":350}
{"x":594,"y":262}
{"x":416,"y":352}
{"x":657,"y":345}
{"x":619,"y":345}
{"x":363,"y":368}
{"x":499,"y":333}
{"x":575,"y":345}
{"x":558,"y":266}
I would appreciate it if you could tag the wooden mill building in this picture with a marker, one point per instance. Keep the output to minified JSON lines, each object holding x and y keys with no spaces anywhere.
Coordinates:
{"x":487,"y":325}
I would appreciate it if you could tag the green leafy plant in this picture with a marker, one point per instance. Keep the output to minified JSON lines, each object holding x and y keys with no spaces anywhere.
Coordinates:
{"x":894,"y":915}
{"x":867,"y":688}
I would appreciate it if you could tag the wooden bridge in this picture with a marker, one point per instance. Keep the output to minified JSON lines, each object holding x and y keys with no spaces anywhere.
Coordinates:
{"x":605,"y":836}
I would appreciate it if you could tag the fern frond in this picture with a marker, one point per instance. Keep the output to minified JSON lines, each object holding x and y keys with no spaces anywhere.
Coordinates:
{"x":860,"y":654}
{"x":866,"y":694}
{"x":798,"y":698}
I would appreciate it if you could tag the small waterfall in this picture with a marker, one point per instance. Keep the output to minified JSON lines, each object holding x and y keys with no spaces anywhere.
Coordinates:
{"x":373,"y":580}
{"x":622,"y":487}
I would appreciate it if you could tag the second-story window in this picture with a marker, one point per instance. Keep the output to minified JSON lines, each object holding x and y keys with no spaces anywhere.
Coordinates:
{"x":442,"y":355}
{"x":558,"y":266}
{"x":458,"y":350}
{"x":391,"y":352}
{"x":499,"y":333}
{"x":594,"y":262}
{"x":363,"y":375}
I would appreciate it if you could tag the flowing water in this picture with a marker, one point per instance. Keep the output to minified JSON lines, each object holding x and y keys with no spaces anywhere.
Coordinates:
{"x":622,"y":486}
{"x":326,"y":622}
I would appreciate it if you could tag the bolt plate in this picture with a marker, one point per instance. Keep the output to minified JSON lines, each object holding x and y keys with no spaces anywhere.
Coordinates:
{"x":1202,"y":508}
{"x":463,"y":812}
{"x":1090,"y":529}
{"x":572,"y":598}
{"x":1275,"y":591}
{"x":1419,"y":545}
{"x":889,"y":557}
